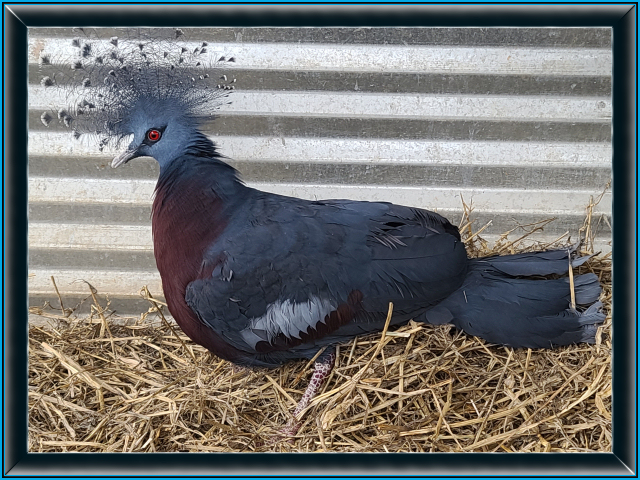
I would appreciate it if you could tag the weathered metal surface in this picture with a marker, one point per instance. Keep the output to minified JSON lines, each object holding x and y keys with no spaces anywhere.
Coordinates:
{"x":516,"y":121}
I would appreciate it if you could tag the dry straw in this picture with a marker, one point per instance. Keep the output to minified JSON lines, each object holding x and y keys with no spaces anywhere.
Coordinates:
{"x":101,"y":384}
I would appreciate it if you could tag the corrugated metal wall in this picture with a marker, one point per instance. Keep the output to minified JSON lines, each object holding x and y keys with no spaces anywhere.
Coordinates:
{"x":517,"y":121}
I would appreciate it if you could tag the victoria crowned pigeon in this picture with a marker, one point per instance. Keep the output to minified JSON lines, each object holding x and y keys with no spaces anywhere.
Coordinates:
{"x":260,"y":279}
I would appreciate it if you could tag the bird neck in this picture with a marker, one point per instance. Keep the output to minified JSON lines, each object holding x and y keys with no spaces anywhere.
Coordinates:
{"x":199,"y":167}
{"x":193,"y":143}
{"x":200,"y":146}
{"x":194,"y":195}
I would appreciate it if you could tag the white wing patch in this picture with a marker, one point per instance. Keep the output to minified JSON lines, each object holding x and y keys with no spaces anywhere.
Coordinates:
{"x":287,"y":318}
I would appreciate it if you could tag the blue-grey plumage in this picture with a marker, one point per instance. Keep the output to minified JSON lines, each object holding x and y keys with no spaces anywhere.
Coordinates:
{"x":259,"y":278}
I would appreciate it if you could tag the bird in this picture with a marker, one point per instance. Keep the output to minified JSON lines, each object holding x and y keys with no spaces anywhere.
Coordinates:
{"x":261,"y":279}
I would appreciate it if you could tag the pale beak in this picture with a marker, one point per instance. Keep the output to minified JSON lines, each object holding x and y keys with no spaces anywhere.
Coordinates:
{"x":124,"y":157}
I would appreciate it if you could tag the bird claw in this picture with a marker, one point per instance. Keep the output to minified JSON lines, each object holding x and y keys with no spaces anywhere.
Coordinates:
{"x":322,"y":369}
{"x":286,"y":433}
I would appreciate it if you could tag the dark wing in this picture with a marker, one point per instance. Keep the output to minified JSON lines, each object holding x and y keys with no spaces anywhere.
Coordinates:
{"x":288,"y":274}
{"x":417,"y":259}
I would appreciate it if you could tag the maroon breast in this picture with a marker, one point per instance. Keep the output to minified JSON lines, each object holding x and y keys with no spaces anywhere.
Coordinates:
{"x":187,"y":218}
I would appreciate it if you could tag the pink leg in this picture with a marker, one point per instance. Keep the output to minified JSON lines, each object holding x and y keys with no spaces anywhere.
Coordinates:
{"x":321,"y":370}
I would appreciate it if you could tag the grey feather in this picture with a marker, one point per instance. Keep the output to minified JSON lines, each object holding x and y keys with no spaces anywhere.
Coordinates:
{"x":160,"y":61}
{"x":287,"y":318}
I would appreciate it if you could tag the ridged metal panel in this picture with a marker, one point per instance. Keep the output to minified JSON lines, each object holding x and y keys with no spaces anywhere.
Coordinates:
{"x":517,"y":121}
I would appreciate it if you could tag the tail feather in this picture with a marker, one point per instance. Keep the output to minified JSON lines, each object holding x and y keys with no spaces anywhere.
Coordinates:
{"x":534,"y":263}
{"x":587,"y":288}
{"x":494,"y":303}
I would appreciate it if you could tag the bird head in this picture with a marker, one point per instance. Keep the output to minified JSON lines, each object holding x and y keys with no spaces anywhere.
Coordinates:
{"x":159,"y":129}
{"x":151,"y":89}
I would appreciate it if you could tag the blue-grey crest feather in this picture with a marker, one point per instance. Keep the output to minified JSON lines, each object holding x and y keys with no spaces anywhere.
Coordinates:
{"x":110,"y":82}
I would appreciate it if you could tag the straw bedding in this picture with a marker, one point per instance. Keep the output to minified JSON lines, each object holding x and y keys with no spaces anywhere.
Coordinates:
{"x":107,"y":384}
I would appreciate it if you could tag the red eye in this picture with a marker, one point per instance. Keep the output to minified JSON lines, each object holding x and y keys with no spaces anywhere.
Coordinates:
{"x":153,"y":135}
